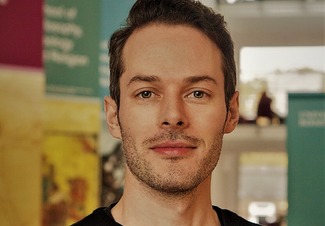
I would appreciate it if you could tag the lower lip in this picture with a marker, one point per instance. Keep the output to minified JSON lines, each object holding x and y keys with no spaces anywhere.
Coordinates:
{"x":173,"y":152}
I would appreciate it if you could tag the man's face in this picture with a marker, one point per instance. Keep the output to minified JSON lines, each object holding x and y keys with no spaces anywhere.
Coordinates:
{"x":172,"y":113}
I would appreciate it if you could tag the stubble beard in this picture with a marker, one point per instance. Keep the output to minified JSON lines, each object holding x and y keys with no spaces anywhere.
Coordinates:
{"x":174,"y":182}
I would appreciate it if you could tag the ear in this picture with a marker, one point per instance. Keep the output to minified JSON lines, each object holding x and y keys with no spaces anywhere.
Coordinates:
{"x":111,"y":111}
{"x":233,"y":113}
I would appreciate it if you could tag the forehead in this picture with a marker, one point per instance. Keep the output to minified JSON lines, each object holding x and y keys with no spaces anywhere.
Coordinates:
{"x":161,"y":49}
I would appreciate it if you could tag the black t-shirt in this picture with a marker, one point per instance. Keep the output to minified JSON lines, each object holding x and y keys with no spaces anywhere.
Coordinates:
{"x":103,"y":217}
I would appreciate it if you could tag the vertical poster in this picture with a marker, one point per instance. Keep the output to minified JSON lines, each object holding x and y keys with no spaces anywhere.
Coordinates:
{"x":306,"y":155}
{"x":21,"y":99}
{"x":113,"y":15}
{"x":76,"y":65}
{"x":71,"y":172}
{"x":71,"y":47}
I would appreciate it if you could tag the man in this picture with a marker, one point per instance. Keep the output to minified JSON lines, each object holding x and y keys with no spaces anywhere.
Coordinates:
{"x":173,"y":98}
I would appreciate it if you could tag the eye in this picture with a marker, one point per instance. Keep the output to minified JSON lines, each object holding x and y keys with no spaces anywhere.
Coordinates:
{"x":145,"y":94}
{"x":197,"y":94}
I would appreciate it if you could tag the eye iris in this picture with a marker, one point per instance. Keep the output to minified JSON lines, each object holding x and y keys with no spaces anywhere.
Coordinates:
{"x":198,"y":94}
{"x":146,"y":94}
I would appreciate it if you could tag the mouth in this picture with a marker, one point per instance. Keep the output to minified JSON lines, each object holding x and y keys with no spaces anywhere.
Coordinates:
{"x":173,"y":149}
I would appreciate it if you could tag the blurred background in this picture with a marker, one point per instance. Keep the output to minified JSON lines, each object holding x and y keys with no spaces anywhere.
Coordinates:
{"x":58,"y":161}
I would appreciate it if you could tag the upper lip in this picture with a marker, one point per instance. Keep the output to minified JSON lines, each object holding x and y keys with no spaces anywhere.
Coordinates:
{"x":173,"y":144}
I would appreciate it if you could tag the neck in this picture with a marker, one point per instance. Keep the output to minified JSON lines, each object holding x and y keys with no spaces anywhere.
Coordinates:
{"x":141,"y":205}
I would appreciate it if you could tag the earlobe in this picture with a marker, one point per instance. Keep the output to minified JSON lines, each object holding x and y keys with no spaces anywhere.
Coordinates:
{"x":233,"y":113}
{"x":112,"y":121}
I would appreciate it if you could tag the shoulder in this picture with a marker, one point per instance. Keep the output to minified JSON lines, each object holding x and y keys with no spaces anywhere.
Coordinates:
{"x":228,"y":218}
{"x":100,"y":217}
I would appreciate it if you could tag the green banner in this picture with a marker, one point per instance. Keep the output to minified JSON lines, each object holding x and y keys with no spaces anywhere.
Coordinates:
{"x":306,"y":155}
{"x":71,"y":45}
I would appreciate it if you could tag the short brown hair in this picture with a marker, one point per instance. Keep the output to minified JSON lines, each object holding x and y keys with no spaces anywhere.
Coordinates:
{"x":173,"y":12}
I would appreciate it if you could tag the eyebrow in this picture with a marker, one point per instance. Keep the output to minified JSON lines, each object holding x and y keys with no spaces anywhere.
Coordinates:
{"x":143,"y":78}
{"x":200,"y":78}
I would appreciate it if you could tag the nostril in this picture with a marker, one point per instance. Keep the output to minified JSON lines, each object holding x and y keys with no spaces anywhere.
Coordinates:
{"x":165,"y":123}
{"x":180,"y":123}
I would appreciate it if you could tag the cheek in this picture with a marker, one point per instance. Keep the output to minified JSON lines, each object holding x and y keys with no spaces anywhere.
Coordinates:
{"x":136,"y":119}
{"x":209,"y":120}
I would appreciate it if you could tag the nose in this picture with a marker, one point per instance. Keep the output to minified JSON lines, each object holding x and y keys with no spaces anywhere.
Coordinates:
{"x":173,"y":114}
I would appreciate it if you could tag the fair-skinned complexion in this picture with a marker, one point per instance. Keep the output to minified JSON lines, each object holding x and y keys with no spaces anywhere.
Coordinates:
{"x":171,"y":120}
